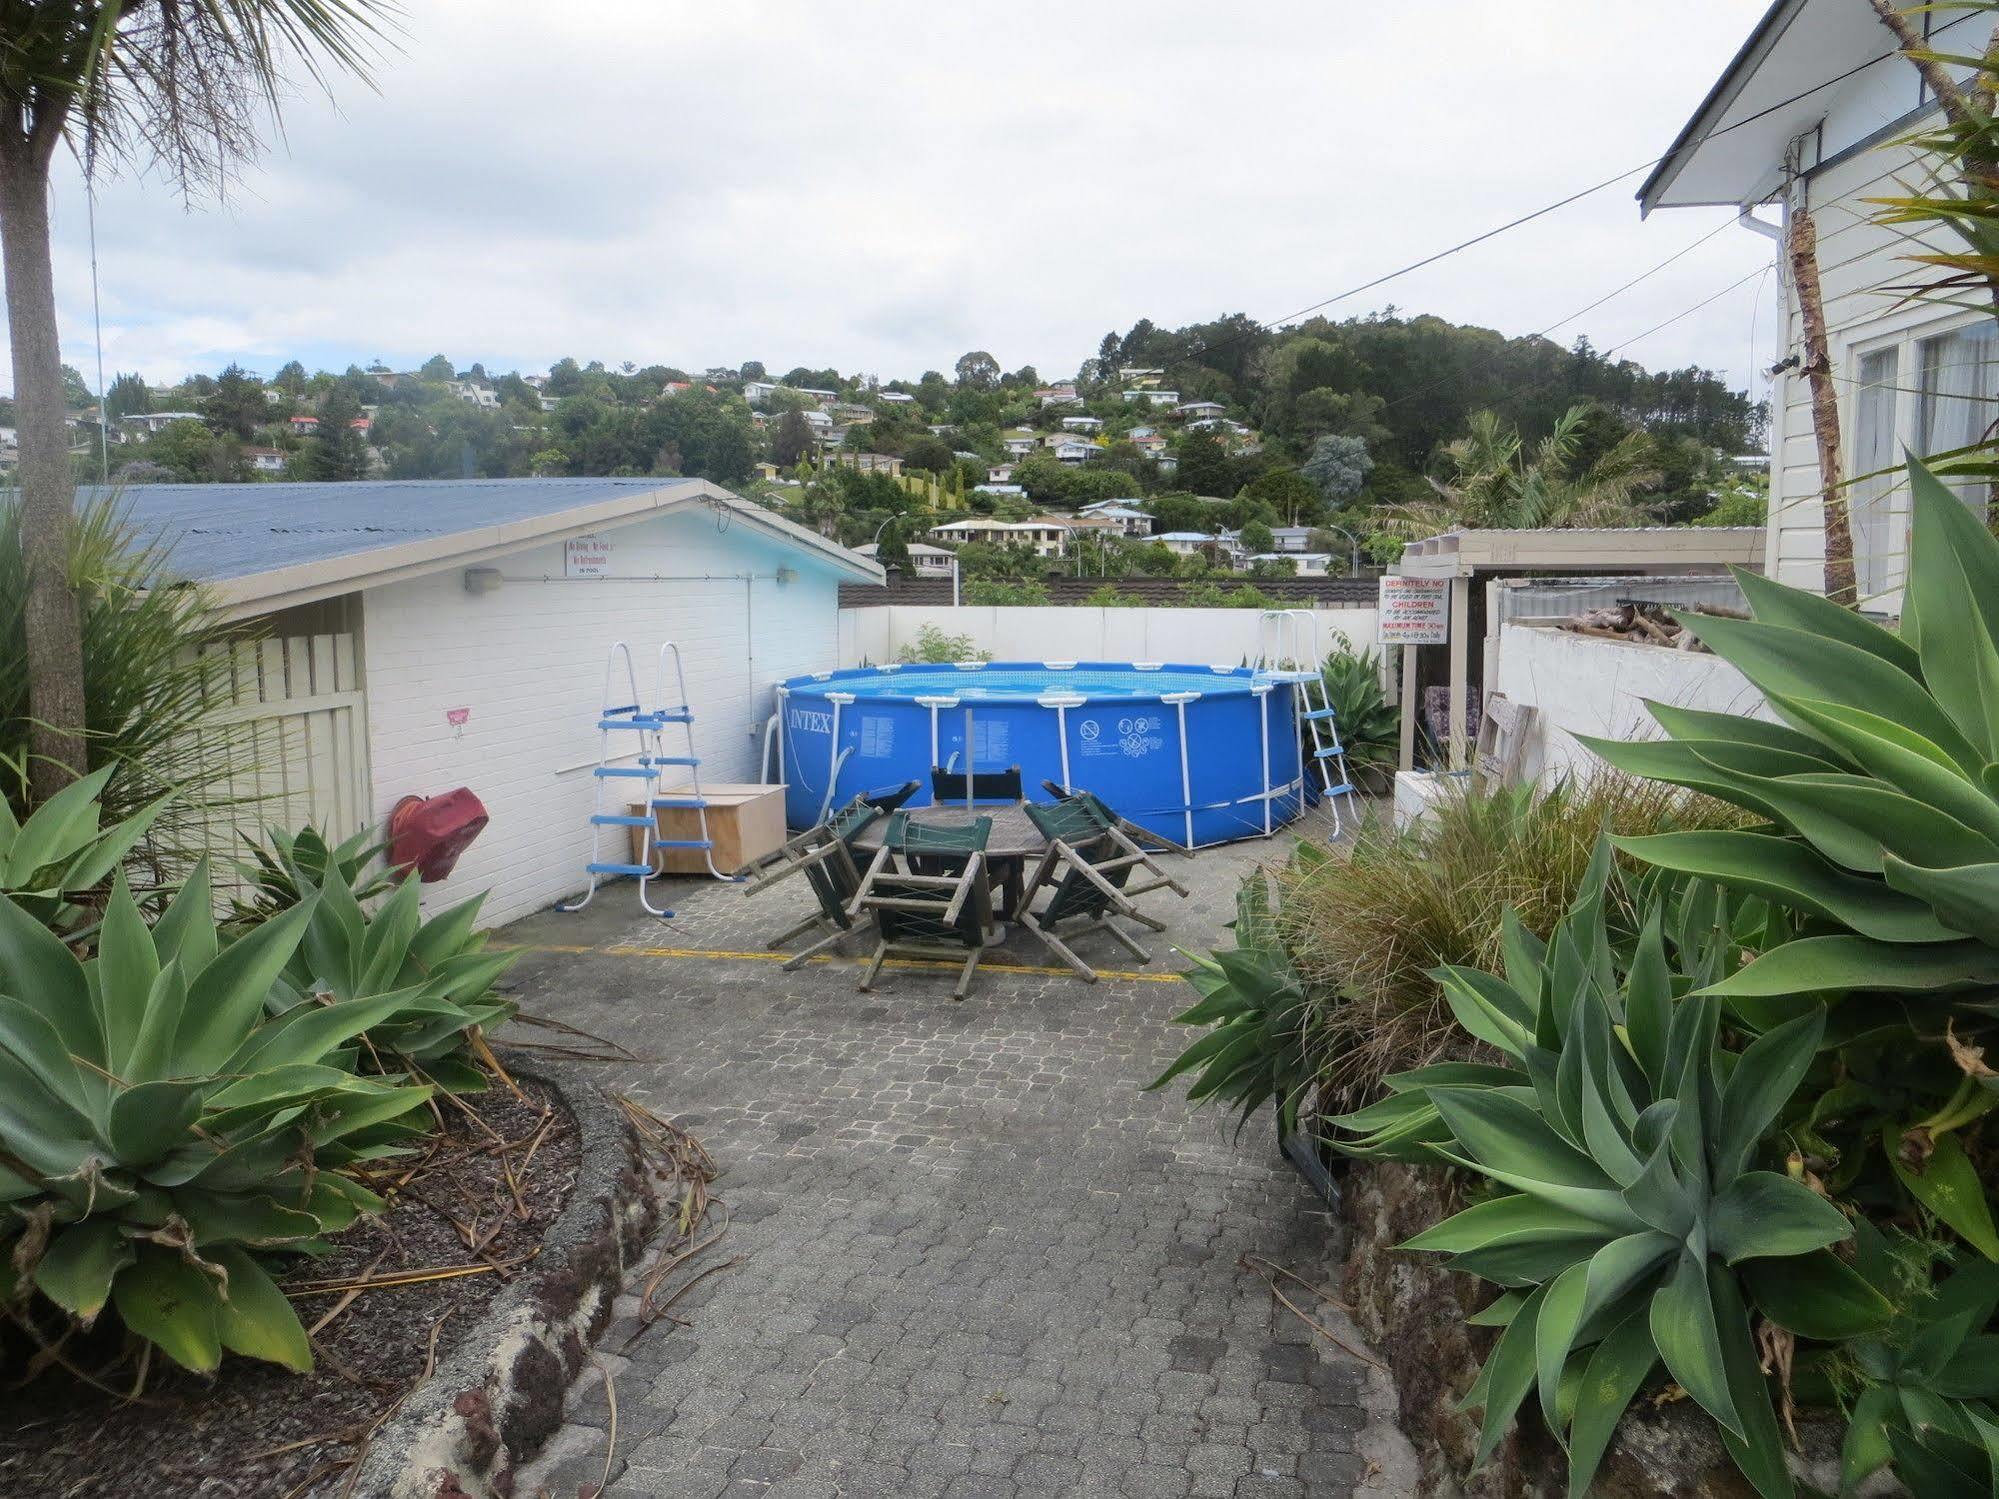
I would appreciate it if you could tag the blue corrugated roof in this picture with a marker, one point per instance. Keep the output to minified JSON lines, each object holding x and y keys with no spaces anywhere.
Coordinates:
{"x":223,"y":531}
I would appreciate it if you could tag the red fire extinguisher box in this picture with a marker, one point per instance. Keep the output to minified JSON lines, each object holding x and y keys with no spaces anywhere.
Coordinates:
{"x":428,"y":833}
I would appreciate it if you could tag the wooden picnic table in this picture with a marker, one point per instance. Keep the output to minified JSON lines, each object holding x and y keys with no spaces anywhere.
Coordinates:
{"x":1013,"y":841}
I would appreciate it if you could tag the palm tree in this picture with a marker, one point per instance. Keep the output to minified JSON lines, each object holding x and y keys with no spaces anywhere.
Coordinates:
{"x":1497,"y":482}
{"x":180,"y":84}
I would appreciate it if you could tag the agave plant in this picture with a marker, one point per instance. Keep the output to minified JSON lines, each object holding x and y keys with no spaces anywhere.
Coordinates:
{"x":1633,"y":1225}
{"x":1939,"y":1464}
{"x":62,"y":852}
{"x":439,"y":970}
{"x":1692,"y":934}
{"x":293,"y":863}
{"x":1883,"y":777}
{"x":159,"y":1130}
{"x":1251,"y":996}
{"x":1933,"y":1368}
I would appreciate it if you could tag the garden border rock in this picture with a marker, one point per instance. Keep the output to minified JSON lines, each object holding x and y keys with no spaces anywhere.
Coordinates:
{"x":497,"y":1392}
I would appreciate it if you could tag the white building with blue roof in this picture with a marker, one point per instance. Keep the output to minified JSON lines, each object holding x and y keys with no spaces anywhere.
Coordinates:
{"x":422,"y":635}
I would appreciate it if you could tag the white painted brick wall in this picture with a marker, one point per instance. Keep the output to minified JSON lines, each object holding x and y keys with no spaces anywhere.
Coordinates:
{"x":528,"y":661}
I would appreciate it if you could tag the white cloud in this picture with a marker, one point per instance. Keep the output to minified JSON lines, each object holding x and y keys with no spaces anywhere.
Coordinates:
{"x":881,"y":187}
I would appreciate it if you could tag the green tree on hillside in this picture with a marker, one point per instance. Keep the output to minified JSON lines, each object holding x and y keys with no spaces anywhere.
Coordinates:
{"x":1496,"y":481}
{"x":128,"y":396}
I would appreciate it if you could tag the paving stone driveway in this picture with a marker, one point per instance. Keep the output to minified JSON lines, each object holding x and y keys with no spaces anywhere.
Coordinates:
{"x":976,"y":1260}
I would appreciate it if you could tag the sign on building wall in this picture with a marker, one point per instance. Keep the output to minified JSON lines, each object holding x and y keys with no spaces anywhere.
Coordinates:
{"x":586,"y":557}
{"x":1415,"y":611}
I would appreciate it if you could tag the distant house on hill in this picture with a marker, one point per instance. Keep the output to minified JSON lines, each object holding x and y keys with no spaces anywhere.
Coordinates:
{"x":152,"y":421}
{"x":1152,"y":397}
{"x":265,"y":460}
{"x":1198,"y":410}
{"x":895,"y":397}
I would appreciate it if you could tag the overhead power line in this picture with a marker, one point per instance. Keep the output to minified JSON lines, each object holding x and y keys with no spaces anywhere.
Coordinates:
{"x":1538,"y":213}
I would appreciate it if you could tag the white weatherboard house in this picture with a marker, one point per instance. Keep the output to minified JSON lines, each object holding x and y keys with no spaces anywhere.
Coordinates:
{"x":1806,"y":118}
{"x":424,"y":635}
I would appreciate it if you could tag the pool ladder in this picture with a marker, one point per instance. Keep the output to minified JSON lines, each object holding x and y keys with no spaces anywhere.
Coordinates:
{"x":1288,"y":651}
{"x":630,"y":717}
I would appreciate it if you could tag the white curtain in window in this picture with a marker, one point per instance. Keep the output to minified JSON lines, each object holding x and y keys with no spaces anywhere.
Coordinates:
{"x":1958,"y":400}
{"x":1871,"y":500}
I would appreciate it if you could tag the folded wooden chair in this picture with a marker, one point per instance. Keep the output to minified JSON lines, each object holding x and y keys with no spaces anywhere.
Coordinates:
{"x":927,"y":893}
{"x":947,"y":786}
{"x":1124,"y":824}
{"x":1088,"y":872}
{"x":825,"y":856}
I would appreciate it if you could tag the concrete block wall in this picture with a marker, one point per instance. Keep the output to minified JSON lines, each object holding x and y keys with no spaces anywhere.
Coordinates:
{"x":1583,"y":685}
{"x":527,"y":663}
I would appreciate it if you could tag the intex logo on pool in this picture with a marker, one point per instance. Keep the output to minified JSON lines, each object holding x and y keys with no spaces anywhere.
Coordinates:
{"x":807,"y":721}
{"x":1135,"y":737}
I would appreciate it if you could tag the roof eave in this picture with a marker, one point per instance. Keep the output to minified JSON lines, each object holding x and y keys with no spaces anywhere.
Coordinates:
{"x":1748,"y":57}
{"x":309,"y":582}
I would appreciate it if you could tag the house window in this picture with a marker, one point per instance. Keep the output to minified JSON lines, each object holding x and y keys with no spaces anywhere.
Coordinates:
{"x":1872,"y":507}
{"x":1957,"y":400}
{"x":1932,"y":393}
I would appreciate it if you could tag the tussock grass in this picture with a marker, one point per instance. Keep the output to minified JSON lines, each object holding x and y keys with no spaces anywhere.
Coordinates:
{"x":1364,"y":930}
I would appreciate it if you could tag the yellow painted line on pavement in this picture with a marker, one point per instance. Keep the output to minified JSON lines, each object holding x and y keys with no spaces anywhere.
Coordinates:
{"x":725,"y":956}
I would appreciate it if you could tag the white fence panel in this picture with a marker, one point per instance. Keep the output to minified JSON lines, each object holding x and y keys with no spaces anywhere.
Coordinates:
{"x":1223,"y":637}
{"x":291,"y":716}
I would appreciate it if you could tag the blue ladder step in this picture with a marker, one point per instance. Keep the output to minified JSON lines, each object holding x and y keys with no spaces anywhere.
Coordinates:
{"x":687,"y":803}
{"x":1343,"y":789}
{"x":618,"y":820}
{"x":1320,"y":713}
{"x":670,"y":759}
{"x":674,"y":715}
{"x":642,"y":723}
{"x":639,"y":869}
{"x":639,"y":772}
{"x":682,"y":843}
{"x":621,"y":708}
{"x":1328,"y":752}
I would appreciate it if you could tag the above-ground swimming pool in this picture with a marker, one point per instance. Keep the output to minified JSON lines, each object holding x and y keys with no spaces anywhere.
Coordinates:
{"x":1198,"y":754}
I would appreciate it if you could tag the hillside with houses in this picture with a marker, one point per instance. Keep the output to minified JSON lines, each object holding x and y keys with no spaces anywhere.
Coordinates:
{"x":1223,"y":446}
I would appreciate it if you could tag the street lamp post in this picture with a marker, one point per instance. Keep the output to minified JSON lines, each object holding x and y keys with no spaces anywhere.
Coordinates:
{"x":1353,"y":561}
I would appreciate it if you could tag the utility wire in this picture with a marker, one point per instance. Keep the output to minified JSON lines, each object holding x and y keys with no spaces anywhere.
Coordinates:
{"x":1684,"y":250}
{"x":1538,"y":213}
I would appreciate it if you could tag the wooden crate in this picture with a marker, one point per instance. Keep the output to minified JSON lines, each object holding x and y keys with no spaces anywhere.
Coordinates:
{"x":746,"y":822}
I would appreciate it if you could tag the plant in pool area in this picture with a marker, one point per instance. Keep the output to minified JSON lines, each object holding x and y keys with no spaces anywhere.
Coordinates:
{"x":159,"y":1131}
{"x":438,"y":970}
{"x":1930,"y":1369}
{"x":1883,"y":777}
{"x":156,"y":658}
{"x":59,"y":859}
{"x":1366,"y":931}
{"x":1882,"y":797}
{"x":1690,"y":935}
{"x":1634,"y":1223}
{"x":1369,"y":726}
{"x":1250,"y":996}
{"x":283,"y":870}
{"x":933,"y":645}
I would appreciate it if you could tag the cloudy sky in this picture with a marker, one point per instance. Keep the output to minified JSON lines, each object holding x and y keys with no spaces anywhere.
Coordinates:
{"x":883,"y":186}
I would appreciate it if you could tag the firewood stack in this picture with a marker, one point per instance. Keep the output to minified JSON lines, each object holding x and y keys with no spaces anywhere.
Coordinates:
{"x":1640,"y":624}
